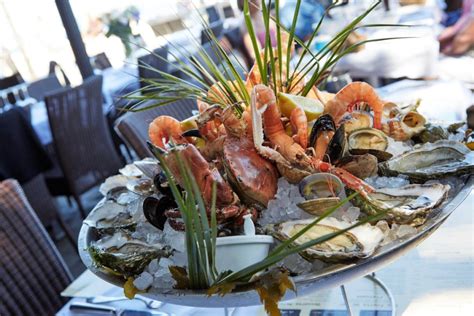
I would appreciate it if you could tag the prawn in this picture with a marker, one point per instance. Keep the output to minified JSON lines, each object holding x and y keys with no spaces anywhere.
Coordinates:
{"x":164,"y":129}
{"x":349,"y":96}
{"x":287,"y":152}
{"x":299,"y":124}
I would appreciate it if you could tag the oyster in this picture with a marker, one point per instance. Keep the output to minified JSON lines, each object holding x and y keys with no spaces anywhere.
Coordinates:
{"x":359,"y":242}
{"x":109,"y":216}
{"x":124,"y":256}
{"x":356,"y":120}
{"x":431,"y":134}
{"x":318,"y":206}
{"x":405,"y":205}
{"x":431,"y":161}
{"x":369,"y":141}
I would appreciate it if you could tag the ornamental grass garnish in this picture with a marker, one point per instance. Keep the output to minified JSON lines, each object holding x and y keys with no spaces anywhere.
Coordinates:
{"x":265,"y":277}
{"x":278,"y":68}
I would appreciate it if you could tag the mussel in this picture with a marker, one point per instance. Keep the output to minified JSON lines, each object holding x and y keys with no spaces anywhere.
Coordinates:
{"x":161,"y":184}
{"x":409,"y":204}
{"x":359,"y":242}
{"x":369,"y":141}
{"x":154,"y":209}
{"x":431,"y":161}
{"x":325,"y":135}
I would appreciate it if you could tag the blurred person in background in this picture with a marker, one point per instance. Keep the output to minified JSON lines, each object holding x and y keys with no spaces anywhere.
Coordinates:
{"x":459,"y":38}
{"x":310,"y":12}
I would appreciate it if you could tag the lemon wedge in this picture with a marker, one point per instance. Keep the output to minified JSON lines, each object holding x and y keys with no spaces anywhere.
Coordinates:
{"x":189,"y":123}
{"x":312,"y":107}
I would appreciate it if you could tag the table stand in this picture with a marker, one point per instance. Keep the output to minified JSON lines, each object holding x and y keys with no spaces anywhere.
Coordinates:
{"x":377,"y":281}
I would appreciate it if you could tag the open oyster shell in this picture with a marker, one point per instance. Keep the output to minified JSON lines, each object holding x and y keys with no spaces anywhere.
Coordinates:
{"x":110,"y":216}
{"x":409,"y":204}
{"x":431,"y":161}
{"x":359,"y":242}
{"x":124,"y":256}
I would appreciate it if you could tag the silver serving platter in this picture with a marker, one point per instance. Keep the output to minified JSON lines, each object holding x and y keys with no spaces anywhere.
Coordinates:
{"x":334,"y":275}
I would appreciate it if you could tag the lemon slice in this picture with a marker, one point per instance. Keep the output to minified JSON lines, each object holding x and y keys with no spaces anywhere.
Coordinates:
{"x":189,"y":123}
{"x":312,"y":107}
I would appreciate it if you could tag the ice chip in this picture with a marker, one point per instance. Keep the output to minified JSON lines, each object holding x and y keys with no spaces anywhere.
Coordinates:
{"x":143,"y":281}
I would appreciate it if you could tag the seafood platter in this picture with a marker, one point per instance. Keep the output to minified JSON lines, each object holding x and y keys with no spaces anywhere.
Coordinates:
{"x":274,"y":184}
{"x":280,"y":165}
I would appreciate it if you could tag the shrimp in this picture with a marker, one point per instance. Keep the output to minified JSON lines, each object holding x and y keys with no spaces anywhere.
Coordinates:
{"x":349,"y":96}
{"x":264,"y":108}
{"x":287,"y":152}
{"x":164,"y":129}
{"x":299,"y":124}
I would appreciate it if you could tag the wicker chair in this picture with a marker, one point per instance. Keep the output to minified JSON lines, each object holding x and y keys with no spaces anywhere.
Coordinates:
{"x":132,"y":127}
{"x":33,"y":272}
{"x":39,"y":88}
{"x":157,"y":60}
{"x":81,"y":138}
{"x":45,"y":206}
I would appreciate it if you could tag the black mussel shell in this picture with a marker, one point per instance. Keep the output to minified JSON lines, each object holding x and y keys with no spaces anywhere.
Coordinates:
{"x":337,"y":146}
{"x":161,"y":184}
{"x":154,"y":210}
{"x":323,"y":123}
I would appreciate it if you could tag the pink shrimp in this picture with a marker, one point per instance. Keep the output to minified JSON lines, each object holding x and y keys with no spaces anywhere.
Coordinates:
{"x":299,"y":124}
{"x":349,"y":96}
{"x":164,"y":129}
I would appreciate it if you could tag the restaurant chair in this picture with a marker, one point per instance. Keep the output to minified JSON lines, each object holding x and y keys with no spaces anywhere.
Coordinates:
{"x":11,"y":81}
{"x":37,"y":89}
{"x":213,"y":14}
{"x":81,"y":137}
{"x":45,"y":206}
{"x":33,"y":273}
{"x":157,"y":60}
{"x":100,"y":61}
{"x":132,"y":127}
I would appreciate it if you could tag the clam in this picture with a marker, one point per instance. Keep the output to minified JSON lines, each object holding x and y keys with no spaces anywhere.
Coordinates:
{"x":321,"y":191}
{"x":124,"y":256}
{"x":359,"y":242}
{"x":318,"y":206}
{"x":369,"y":141}
{"x":409,"y":204}
{"x":431,"y":161}
{"x":361,"y":166}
